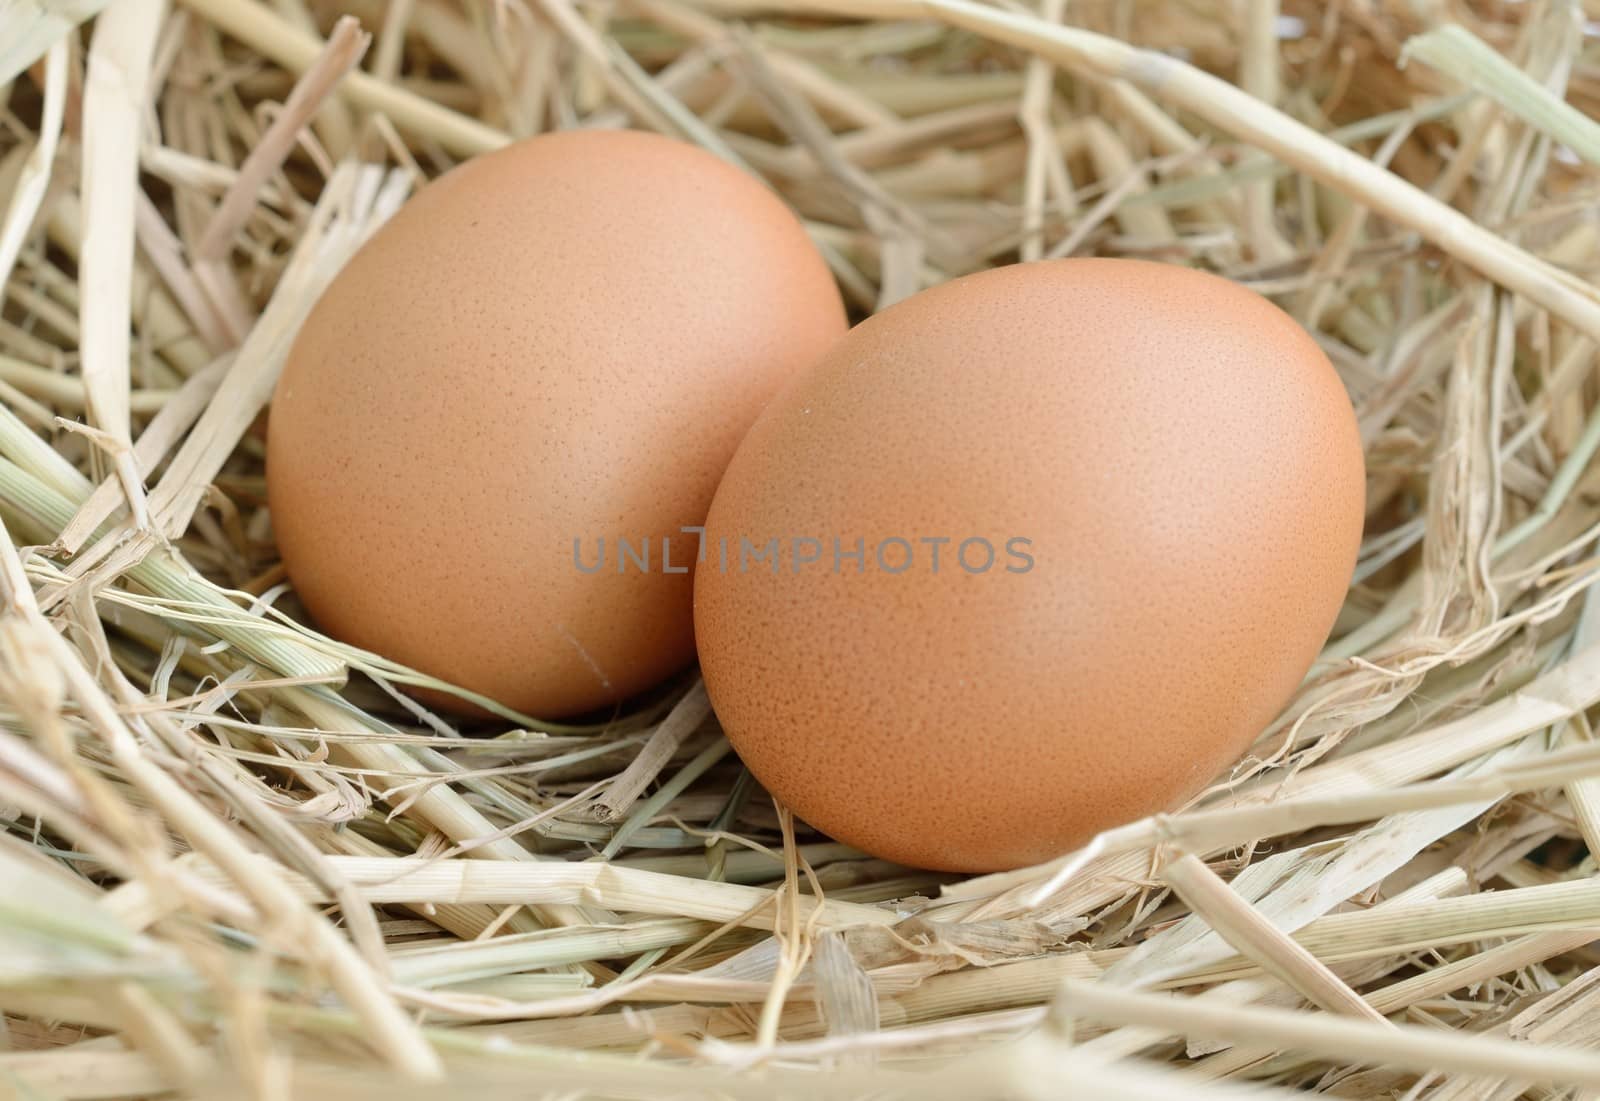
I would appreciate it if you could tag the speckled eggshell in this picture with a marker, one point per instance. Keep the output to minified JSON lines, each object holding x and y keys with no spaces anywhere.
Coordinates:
{"x":1186,"y":465}
{"x":565,"y":339}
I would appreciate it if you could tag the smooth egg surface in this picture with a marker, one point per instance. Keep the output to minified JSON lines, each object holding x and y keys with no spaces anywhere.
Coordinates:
{"x":1033,"y":553}
{"x":551,"y":348}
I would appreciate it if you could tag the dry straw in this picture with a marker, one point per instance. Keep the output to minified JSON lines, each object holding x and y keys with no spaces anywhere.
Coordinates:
{"x":236,"y":856}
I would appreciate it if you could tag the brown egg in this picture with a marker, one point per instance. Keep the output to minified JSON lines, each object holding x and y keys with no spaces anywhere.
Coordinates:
{"x":1150,"y":486}
{"x":560,"y":342}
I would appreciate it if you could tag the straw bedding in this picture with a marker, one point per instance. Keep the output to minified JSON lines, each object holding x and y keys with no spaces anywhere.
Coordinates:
{"x":236,"y":857}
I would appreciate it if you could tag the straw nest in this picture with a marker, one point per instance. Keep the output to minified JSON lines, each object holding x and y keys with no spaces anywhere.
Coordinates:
{"x":235,"y":859}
